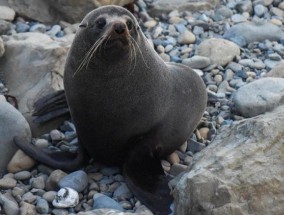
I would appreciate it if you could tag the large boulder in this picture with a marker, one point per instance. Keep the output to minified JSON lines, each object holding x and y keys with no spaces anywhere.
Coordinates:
{"x":55,"y":10}
{"x":259,"y":96}
{"x":248,"y":32}
{"x":12,"y":124}
{"x":159,"y":7}
{"x":32,"y":67}
{"x":240,"y":172}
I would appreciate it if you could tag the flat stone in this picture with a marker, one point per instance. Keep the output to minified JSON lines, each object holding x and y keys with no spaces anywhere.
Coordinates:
{"x":53,"y":179}
{"x":103,"y":201}
{"x":220,"y":51}
{"x":7,"y":13}
{"x":197,"y":62}
{"x":259,"y":96}
{"x":10,"y":207}
{"x":277,"y":71}
{"x":76,"y":180}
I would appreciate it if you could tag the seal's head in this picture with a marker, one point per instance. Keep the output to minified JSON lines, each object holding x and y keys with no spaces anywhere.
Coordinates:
{"x":108,"y":33}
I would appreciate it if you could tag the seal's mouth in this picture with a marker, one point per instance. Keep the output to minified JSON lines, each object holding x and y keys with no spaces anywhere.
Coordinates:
{"x":116,"y":42}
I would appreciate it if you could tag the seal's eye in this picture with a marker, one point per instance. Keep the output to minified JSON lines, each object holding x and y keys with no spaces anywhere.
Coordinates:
{"x":129,"y":24}
{"x":101,"y":22}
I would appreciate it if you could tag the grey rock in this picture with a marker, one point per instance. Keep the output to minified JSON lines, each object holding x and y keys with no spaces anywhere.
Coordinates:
{"x":259,"y":96}
{"x":272,"y":63}
{"x":38,"y":28}
{"x":245,"y":33}
{"x":260,"y":10}
{"x":15,"y":126}
{"x":242,"y":158}
{"x":77,"y":180}
{"x":7,"y":13}
{"x":41,"y":143}
{"x":27,"y":209}
{"x":237,"y":18}
{"x":10,"y":207}
{"x":40,"y":65}
{"x":277,"y":71}
{"x":29,"y":197}
{"x":166,"y":6}
{"x":177,"y":168}
{"x":186,"y":37}
{"x":103,"y":201}
{"x":122,"y":192}
{"x":38,"y":182}
{"x":42,"y":206}
{"x":142,"y":211}
{"x":53,"y":179}
{"x":49,"y":196}
{"x":194,"y":146}
{"x":197,"y":62}
{"x":23,"y":175}
{"x":220,"y":51}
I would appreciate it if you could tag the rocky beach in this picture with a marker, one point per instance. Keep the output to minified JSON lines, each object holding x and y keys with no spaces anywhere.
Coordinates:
{"x":231,"y":164}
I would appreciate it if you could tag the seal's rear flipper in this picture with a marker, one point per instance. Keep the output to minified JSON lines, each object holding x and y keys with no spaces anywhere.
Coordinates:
{"x":145,"y":177}
{"x":66,"y":161}
{"x":50,"y":107}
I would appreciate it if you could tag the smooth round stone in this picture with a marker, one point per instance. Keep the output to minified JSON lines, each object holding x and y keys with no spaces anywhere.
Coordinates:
{"x":29,"y":197}
{"x":218,"y":79}
{"x":97,"y":176}
{"x":38,"y":182}
{"x":76,"y":180}
{"x":165,"y":57}
{"x":220,"y":51}
{"x":237,"y":18}
{"x":197,"y":62}
{"x":17,"y":191}
{"x":126,"y":205}
{"x":187,"y":159}
{"x":204,"y":132}
{"x":183,"y":147}
{"x":7,"y":13}
{"x":42,"y":206}
{"x":212,"y":87}
{"x":260,"y":10}
{"x":10,"y":207}
{"x":194,"y":146}
{"x":38,"y":28}
{"x":54,"y":30}
{"x":103,"y":201}
{"x":59,"y":212}
{"x":94,"y":186}
{"x":113,"y":186}
{"x":56,"y":135}
{"x":277,"y":12}
{"x":237,"y":83}
{"x":49,"y":196}
{"x":7,"y":183}
{"x":174,"y":20}
{"x":157,"y":31}
{"x":186,"y":37}
{"x":177,"y":169}
{"x":260,"y":96}
{"x":150,"y":23}
{"x":27,"y":209}
{"x":271,"y":63}
{"x":22,"y":27}
{"x":53,"y":179}
{"x":168,"y":48}
{"x":122,"y":192}
{"x":65,"y":198}
{"x":20,"y":162}
{"x":23,"y":175}
{"x":161,"y":49}
{"x":180,"y":28}
{"x":173,"y":158}
{"x":41,"y":143}
{"x":166,"y":165}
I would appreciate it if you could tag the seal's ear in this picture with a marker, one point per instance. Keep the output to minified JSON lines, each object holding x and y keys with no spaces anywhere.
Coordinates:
{"x":83,"y":24}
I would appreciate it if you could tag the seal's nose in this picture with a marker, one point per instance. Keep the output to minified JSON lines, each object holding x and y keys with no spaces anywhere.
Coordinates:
{"x":119,"y":28}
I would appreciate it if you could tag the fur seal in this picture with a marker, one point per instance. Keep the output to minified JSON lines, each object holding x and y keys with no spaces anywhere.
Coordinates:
{"x":129,"y":107}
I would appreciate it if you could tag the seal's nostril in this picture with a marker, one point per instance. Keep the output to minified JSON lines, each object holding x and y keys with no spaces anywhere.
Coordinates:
{"x":119,"y":28}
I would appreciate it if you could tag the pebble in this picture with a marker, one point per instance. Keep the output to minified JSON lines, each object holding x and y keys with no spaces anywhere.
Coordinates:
{"x":103,"y":201}
{"x":108,"y":171}
{"x":38,"y":28}
{"x":41,"y":143}
{"x":177,"y":169}
{"x":56,"y":135}
{"x":76,"y":180}
{"x":204,"y":132}
{"x":22,"y":27}
{"x":173,"y":158}
{"x":38,"y":182}
{"x":7,"y":183}
{"x":194,"y":146}
{"x":7,"y":13}
{"x":49,"y":196}
{"x":122,"y":192}
{"x":23,"y":175}
{"x":10,"y":207}
{"x":29,"y":197}
{"x":65,"y":198}
{"x":186,"y":37}
{"x":260,"y":10}
{"x":150,"y":23}
{"x":54,"y":30}
{"x":42,"y":206}
{"x":27,"y":209}
{"x":53,"y":179}
{"x":197,"y":62}
{"x":166,"y":165}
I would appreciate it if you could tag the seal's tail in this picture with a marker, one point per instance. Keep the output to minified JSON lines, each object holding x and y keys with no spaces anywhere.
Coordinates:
{"x":66,"y":161}
{"x":50,"y":107}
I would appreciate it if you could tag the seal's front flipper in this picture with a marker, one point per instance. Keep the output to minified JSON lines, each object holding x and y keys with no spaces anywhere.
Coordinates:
{"x":145,"y":177}
{"x":50,"y":107}
{"x":66,"y":161}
